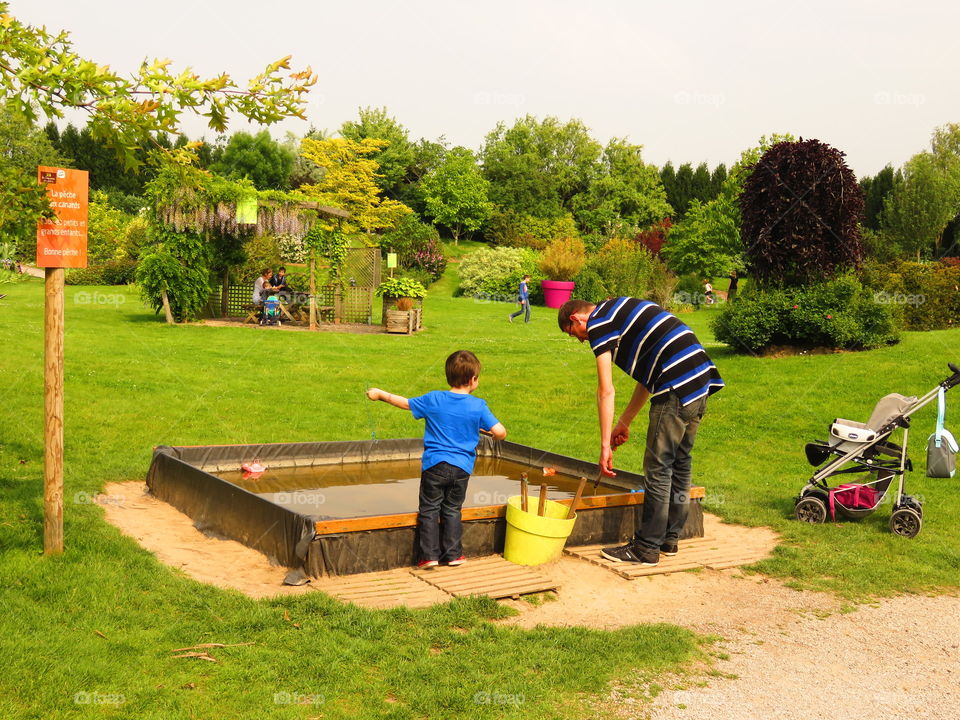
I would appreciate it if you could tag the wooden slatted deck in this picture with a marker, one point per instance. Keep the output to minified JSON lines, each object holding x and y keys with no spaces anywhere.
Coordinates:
{"x":490,"y":575}
{"x":713,"y":553}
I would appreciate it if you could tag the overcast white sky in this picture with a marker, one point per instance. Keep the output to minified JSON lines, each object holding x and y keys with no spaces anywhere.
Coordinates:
{"x":690,"y":81}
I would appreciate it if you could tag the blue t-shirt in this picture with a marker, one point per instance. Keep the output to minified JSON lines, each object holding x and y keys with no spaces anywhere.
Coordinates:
{"x":524,"y":294}
{"x":454,"y":421}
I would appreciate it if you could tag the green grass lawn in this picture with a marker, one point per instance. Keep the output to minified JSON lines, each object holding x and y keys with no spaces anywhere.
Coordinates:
{"x":132,"y":383}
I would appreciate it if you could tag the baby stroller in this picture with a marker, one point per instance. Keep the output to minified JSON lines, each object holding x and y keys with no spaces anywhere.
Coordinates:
{"x":867,"y":448}
{"x":271,"y":311}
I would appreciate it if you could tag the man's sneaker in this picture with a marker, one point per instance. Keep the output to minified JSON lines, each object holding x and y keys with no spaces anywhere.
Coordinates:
{"x":423,"y":564}
{"x":669,"y":549}
{"x":459,"y":561}
{"x":628,"y":553}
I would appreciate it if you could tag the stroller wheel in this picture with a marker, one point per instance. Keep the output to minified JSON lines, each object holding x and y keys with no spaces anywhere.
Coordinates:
{"x":811,"y":509}
{"x":906,"y":522}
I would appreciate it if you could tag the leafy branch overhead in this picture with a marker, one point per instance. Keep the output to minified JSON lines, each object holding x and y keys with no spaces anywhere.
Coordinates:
{"x":40,"y":71}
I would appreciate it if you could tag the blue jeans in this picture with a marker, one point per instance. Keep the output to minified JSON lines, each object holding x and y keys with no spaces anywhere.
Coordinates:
{"x":524,"y":307}
{"x":443,"y":489}
{"x":667,"y":470}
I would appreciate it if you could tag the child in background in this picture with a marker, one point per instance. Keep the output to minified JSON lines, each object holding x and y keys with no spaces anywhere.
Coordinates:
{"x":454,"y":419}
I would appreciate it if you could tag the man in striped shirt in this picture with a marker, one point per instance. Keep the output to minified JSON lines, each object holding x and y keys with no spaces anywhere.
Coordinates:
{"x":675,"y":374}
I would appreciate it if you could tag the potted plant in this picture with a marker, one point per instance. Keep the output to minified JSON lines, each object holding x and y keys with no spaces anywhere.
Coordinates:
{"x":561,"y":262}
{"x":402,"y":303}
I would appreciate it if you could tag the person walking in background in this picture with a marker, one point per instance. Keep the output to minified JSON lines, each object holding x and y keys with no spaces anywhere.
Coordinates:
{"x":524,"y":300}
{"x":673,"y":371}
{"x":454,"y":419}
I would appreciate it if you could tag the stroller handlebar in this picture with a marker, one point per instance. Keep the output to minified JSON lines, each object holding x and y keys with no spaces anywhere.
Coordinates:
{"x":953,"y":379}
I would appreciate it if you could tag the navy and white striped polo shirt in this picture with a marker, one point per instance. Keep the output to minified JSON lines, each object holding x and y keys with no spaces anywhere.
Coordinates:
{"x":653,"y":347}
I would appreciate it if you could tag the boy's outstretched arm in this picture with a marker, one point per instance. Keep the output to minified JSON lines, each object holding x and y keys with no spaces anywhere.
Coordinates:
{"x":395,"y":400}
{"x":498,"y":431}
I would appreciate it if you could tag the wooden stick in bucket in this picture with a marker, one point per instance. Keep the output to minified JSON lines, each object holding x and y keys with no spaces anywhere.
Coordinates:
{"x":543,"y":499}
{"x":576,"y":498}
{"x":524,"y":491}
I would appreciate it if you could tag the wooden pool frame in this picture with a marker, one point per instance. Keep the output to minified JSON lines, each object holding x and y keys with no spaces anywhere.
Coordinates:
{"x":183,"y":476}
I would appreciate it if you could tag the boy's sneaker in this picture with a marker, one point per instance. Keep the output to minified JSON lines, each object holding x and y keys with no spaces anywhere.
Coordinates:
{"x":459,"y":561}
{"x":628,"y":553}
{"x":424,"y":564}
{"x":510,"y":318}
{"x":669,"y":549}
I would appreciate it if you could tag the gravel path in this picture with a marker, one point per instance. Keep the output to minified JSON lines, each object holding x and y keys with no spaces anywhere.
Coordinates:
{"x":899,"y":658}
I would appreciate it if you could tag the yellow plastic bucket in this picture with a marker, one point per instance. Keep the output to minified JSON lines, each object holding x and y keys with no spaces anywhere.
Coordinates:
{"x":532,"y":539}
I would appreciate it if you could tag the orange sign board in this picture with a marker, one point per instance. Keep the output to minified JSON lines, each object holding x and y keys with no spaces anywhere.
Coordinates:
{"x":62,"y":243}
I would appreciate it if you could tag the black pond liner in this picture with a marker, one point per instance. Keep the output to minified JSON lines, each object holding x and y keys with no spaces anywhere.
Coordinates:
{"x":183,"y":477}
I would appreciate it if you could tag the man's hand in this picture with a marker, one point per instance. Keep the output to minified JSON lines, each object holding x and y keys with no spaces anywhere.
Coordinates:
{"x":620,"y":434}
{"x":606,"y":462}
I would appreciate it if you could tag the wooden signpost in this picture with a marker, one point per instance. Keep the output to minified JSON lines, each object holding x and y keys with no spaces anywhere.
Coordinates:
{"x":61,"y":243}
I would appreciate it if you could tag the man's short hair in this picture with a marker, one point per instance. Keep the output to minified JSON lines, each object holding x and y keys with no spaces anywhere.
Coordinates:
{"x":570,"y":308}
{"x":462,"y":366}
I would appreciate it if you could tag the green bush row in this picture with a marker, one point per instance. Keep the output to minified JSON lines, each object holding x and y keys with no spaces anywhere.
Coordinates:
{"x":925,"y":295}
{"x":841,"y":313}
{"x":495,"y":274}
{"x":111,"y":272}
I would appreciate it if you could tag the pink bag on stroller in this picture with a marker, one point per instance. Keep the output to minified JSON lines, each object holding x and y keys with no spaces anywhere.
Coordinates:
{"x":853,"y":496}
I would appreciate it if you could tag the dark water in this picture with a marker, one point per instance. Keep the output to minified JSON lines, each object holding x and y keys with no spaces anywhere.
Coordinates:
{"x":384,"y":488}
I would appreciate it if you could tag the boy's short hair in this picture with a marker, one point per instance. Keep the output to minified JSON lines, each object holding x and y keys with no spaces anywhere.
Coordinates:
{"x":570,"y":308}
{"x":526,"y":277}
{"x":281,"y":269}
{"x":462,"y":366}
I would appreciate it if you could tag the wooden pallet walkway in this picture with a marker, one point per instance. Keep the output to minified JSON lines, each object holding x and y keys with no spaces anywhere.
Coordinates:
{"x":694,"y":553}
{"x":490,"y":575}
{"x":382,"y":589}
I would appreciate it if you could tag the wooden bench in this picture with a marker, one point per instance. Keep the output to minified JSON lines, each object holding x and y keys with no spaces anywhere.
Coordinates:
{"x":252,"y":311}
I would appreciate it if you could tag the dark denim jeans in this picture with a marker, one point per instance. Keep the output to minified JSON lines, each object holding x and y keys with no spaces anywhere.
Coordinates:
{"x":443,"y":489}
{"x":524,"y":308}
{"x":667,"y":469}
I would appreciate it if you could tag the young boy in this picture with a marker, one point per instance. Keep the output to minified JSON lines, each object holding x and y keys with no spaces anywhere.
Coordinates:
{"x":454,"y":421}
{"x":524,"y":300}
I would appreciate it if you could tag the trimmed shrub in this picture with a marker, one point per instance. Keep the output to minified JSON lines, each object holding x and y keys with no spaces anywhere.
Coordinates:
{"x":926,"y":295}
{"x":495,"y":274}
{"x":841,"y":313}
{"x":112,"y":272}
{"x":563,"y":259}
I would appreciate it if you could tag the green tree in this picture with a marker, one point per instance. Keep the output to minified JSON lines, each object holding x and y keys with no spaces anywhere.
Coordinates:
{"x":536,"y":168}
{"x":625,"y":196}
{"x":427,"y":157}
{"x":259,"y":158}
{"x":875,"y":190}
{"x":395,"y":155}
{"x":701,"y":186}
{"x":682,"y":189}
{"x":668,"y":176}
{"x":917,"y":211}
{"x":717,"y":178}
{"x":22,"y":148}
{"x":456,"y":193}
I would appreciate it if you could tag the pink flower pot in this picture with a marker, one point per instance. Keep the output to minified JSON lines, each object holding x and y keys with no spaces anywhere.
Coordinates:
{"x":556,"y":292}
